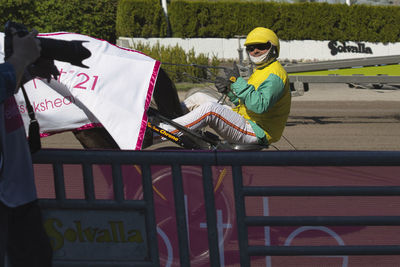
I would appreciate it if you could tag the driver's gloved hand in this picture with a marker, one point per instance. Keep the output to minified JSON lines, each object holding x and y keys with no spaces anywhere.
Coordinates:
{"x":222,"y":85}
{"x":232,"y":74}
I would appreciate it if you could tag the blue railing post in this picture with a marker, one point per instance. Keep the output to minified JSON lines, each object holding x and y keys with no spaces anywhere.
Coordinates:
{"x":211,"y":217}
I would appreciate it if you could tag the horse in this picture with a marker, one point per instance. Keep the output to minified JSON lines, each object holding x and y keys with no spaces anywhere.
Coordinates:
{"x":166,"y":99}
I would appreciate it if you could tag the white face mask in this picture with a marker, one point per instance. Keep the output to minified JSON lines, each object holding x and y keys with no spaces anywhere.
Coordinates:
{"x":258,"y":60}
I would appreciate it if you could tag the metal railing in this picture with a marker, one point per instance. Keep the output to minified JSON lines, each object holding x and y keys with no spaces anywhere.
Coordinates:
{"x":378,"y":79}
{"x":58,"y":158}
{"x":342,"y":64}
{"x":177,"y":159}
{"x":315,"y":159}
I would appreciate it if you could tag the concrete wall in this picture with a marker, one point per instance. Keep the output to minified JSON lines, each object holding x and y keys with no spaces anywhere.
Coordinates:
{"x":290,"y":50}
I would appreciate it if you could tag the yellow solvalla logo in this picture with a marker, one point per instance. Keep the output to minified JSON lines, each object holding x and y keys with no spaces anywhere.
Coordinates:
{"x":112,"y":232}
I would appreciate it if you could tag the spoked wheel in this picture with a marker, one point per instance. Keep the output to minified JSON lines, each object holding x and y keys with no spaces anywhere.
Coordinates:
{"x":195,"y":213}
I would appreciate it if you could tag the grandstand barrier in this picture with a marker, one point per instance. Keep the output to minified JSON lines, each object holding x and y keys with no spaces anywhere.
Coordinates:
{"x":330,"y":72}
{"x":343,"y":63}
{"x":378,"y":79}
{"x":112,"y":208}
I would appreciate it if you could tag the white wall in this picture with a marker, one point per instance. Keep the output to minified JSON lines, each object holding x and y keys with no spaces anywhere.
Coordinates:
{"x":290,"y":50}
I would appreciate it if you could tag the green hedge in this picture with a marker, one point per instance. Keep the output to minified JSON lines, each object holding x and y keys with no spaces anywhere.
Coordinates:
{"x":299,"y":21}
{"x":91,"y":17}
{"x":144,"y":18}
{"x":109,"y":19}
{"x":217,"y":19}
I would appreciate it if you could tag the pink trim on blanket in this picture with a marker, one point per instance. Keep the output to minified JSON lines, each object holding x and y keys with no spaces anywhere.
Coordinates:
{"x":148,"y":97}
{"x":84,"y":127}
{"x":147,"y":104}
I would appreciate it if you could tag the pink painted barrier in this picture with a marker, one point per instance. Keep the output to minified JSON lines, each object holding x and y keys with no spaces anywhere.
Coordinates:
{"x":274,"y":206}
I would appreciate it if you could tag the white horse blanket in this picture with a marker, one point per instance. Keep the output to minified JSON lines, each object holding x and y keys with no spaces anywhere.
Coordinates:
{"x":115,"y":92}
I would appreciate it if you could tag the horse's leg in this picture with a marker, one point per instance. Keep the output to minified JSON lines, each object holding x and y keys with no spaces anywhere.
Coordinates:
{"x":166,"y":96}
{"x":95,"y":138}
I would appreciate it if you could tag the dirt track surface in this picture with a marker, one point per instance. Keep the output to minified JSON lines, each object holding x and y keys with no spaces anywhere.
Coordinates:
{"x":327,"y":117}
{"x":343,"y":126}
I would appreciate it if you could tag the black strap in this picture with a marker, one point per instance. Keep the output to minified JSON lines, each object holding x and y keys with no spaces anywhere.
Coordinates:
{"x":34,"y":129}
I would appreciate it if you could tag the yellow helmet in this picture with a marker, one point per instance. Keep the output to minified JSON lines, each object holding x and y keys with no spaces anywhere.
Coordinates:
{"x":261,"y":35}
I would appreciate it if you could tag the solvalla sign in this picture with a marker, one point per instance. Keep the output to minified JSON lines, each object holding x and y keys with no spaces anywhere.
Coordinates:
{"x":94,"y":235}
{"x":348,"y":47}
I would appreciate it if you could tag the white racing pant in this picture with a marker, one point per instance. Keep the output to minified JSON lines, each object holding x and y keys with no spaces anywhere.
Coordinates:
{"x":221,"y":118}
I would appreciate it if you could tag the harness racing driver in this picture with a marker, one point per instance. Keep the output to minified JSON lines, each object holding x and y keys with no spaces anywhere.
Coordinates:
{"x":262,"y":104}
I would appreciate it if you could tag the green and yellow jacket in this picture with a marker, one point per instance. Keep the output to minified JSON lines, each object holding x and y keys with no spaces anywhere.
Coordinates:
{"x":264,"y":100}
